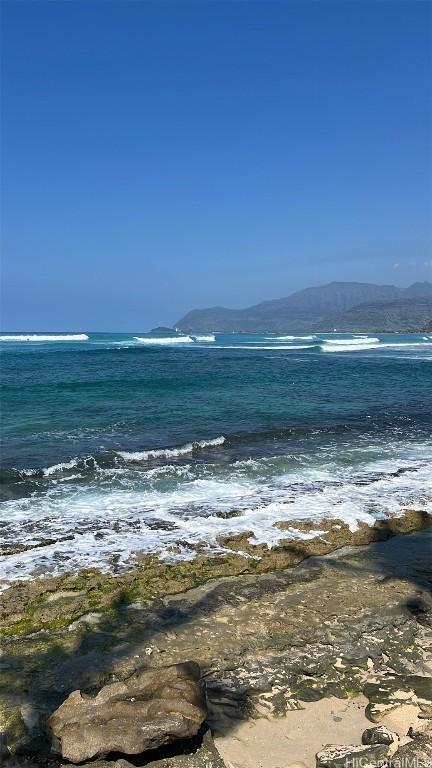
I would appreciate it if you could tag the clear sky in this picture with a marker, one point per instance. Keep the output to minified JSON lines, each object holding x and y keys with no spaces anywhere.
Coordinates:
{"x":162,"y":156}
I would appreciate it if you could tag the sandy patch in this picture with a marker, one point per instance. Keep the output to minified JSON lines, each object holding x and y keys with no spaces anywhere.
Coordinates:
{"x":295,"y":739}
{"x":401,"y":720}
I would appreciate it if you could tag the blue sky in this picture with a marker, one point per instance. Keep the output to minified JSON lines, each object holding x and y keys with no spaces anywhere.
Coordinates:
{"x":163,"y":156}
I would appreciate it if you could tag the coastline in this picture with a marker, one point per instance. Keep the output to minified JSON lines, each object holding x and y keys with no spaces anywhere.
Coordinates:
{"x":28,"y":606}
{"x":255,"y":431}
{"x":269,"y":638}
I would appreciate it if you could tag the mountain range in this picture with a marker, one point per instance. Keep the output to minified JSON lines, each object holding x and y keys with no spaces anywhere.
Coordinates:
{"x":338,"y":305}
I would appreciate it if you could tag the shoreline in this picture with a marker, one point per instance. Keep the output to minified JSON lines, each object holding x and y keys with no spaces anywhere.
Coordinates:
{"x":35,"y":604}
{"x":268,"y":642}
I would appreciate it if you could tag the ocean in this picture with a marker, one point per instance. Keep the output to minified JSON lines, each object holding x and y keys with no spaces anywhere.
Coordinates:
{"x":118,"y":444}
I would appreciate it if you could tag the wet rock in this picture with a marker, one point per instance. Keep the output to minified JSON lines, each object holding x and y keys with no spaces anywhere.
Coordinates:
{"x":147,"y":710}
{"x":226,"y":514}
{"x":379,"y":735}
{"x":327,"y":536}
{"x":351,"y":756}
{"x":29,"y":607}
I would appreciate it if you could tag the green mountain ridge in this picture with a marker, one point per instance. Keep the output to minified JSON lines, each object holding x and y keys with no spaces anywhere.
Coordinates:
{"x":341,"y":305}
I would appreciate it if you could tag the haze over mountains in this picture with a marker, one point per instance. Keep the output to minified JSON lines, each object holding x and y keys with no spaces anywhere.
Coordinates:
{"x":337,"y":305}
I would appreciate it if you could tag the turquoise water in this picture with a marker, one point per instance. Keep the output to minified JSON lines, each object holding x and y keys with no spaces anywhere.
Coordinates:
{"x":121,"y":443}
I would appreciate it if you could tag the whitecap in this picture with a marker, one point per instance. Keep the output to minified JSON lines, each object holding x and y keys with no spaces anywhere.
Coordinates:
{"x":290,"y":338}
{"x":349,"y":347}
{"x":209,"y":337}
{"x":160,"y":453}
{"x":164,"y":340}
{"x":48,"y":471}
{"x":46,"y":337}
{"x":168,"y":453}
{"x":362,"y":340}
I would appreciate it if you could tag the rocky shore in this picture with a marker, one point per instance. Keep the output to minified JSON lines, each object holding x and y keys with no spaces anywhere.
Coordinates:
{"x":292,"y":656}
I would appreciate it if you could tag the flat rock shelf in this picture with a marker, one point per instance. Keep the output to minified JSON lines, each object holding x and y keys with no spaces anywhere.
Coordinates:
{"x":333,"y":647}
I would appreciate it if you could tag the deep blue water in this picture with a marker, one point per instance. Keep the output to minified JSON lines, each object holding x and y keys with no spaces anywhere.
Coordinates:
{"x":122,"y":443}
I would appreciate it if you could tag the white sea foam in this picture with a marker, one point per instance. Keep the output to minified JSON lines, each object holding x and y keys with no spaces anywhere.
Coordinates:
{"x":55,"y":468}
{"x":209,"y":337}
{"x":349,"y":347}
{"x":352,"y":342}
{"x":162,"y":453}
{"x":46,"y":337}
{"x":130,"y":456}
{"x":164,"y":340}
{"x":290,"y":338}
{"x":365,"y":343}
{"x":170,"y":514}
{"x":29,"y":472}
{"x":168,"y":453}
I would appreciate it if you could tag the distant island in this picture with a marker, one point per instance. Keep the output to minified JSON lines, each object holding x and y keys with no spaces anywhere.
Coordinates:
{"x":163,"y":329}
{"x":341,"y":306}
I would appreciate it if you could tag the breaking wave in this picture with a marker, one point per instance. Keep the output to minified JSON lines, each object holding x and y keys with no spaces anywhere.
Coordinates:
{"x":106,"y":460}
{"x":351,"y":342}
{"x":350,"y":345}
{"x":290,"y":338}
{"x":257,"y":342}
{"x":165,"y":340}
{"x":168,"y":453}
{"x":46,"y":337}
{"x":174,"y":509}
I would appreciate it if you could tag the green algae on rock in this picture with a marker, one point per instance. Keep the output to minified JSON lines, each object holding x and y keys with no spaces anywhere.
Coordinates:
{"x":29,"y":607}
{"x":263,"y":641}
